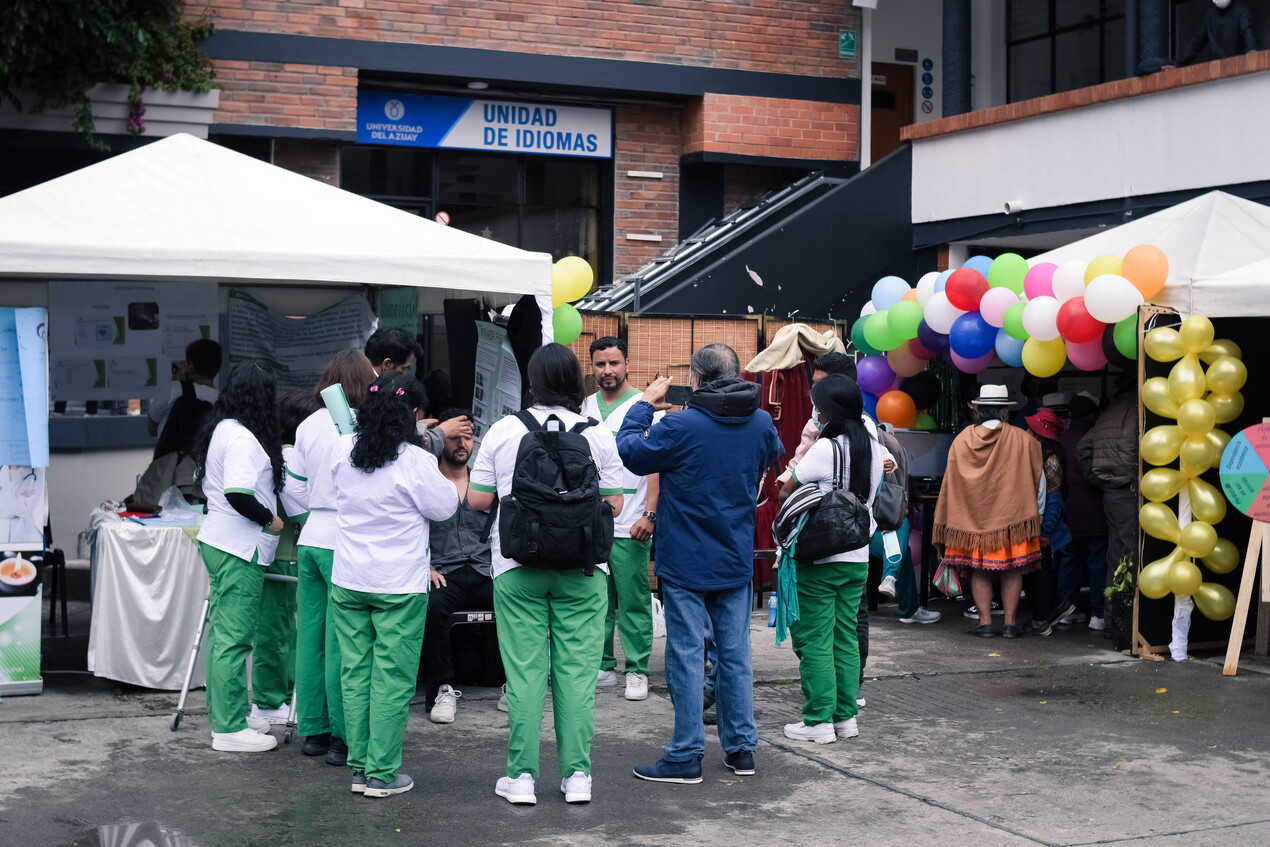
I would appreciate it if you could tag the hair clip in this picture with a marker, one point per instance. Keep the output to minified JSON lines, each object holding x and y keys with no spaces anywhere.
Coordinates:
{"x":374,"y":388}
{"x":400,"y":392}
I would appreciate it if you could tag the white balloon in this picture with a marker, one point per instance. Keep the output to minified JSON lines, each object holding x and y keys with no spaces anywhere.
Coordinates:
{"x":926,"y":287}
{"x":994,"y":304}
{"x":940,"y":314}
{"x":1040,"y":317}
{"x":1111,"y":298}
{"x":868,"y":309}
{"x":1069,"y":281}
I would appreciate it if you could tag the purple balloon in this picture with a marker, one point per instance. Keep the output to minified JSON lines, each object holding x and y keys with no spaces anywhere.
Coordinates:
{"x":970,"y":366}
{"x":935,"y":342}
{"x":971,"y":337}
{"x":874,"y":375}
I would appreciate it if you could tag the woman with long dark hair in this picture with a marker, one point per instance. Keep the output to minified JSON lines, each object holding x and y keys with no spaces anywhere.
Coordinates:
{"x":239,"y":460}
{"x":550,"y":622}
{"x":319,"y":703}
{"x":387,"y":491}
{"x":825,"y":636}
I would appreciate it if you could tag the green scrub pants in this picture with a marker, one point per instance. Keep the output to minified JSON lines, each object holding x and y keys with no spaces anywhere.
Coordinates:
{"x":231,"y":628}
{"x":273,"y":655}
{"x":381,"y":637}
{"x":824,"y":639}
{"x":550,"y":624}
{"x":630,"y":609}
{"x":319,"y":703}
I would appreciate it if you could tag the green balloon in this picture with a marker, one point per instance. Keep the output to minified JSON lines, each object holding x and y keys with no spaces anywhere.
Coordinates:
{"x":923,"y":421}
{"x":904,"y":318}
{"x":1008,"y":271}
{"x":877,"y":332}
{"x":1013,"y":323}
{"x":1126,"y":337}
{"x":861,"y":343}
{"x":566,"y":323}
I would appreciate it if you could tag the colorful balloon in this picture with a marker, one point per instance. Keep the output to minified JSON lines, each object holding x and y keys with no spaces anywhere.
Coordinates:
{"x":566,"y":323}
{"x":994,"y":304}
{"x":1161,"y":444}
{"x":1226,"y":375}
{"x":1112,"y":298}
{"x":1075,"y":325}
{"x":1196,"y":455}
{"x":924,"y":421}
{"x":1220,"y":438}
{"x":972,"y":337}
{"x":1197,"y":539}
{"x":897,"y":409}
{"x":1044,"y":358}
{"x":1163,"y":344}
{"x":941,"y":314}
{"x":904,"y":318}
{"x":1184,"y":578}
{"x":979,"y":264}
{"x":1146,"y":267}
{"x":1227,"y":406}
{"x":874,"y":375}
{"x":1040,"y":318}
{"x":857,"y":338}
{"x":1102,"y":265}
{"x":1156,"y":397}
{"x":1196,"y":334}
{"x":1153,"y":581}
{"x":935,"y":342}
{"x":1069,"y":281}
{"x":878,"y":334}
{"x":1009,"y":349}
{"x":902,"y":361}
{"x":1126,"y":336}
{"x":970,"y":366}
{"x":571,"y":279}
{"x":1087,"y":356}
{"x":1186,"y":379}
{"x":1012,"y":322}
{"x":870,"y":404}
{"x":1214,"y":601}
{"x":887,"y":291}
{"x":916,"y":347}
{"x":1039,"y":281}
{"x":1160,"y":484}
{"x":1221,"y":347}
{"x":1196,"y":418}
{"x":1207,"y":502}
{"x":965,"y":289}
{"x":1158,"y":521}
{"x":1008,"y":271}
{"x":926,"y":286}
{"x":1224,"y":558}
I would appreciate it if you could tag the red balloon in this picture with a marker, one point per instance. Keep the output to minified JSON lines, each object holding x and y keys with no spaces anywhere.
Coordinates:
{"x":915,"y":347}
{"x":1075,"y":324}
{"x":965,"y":288}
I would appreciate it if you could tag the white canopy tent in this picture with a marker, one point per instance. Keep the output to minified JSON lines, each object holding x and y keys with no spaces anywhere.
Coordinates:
{"x":1209,"y":242}
{"x":183,"y":208}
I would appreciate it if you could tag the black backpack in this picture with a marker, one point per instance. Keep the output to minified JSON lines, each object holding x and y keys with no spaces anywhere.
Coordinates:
{"x":840,"y":521}
{"x":185,"y":419}
{"x":554,"y":518}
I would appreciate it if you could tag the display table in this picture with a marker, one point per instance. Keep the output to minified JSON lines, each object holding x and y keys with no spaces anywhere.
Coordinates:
{"x":147,"y":598}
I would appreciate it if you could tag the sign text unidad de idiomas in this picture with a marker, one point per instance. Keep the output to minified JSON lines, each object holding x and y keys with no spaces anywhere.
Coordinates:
{"x":426,"y":120}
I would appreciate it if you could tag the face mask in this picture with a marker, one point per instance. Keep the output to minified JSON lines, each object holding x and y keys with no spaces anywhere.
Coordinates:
{"x":815,"y":418}
{"x":1221,"y":4}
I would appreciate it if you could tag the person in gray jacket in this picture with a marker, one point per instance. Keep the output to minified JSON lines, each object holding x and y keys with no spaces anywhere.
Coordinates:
{"x":1109,"y":461}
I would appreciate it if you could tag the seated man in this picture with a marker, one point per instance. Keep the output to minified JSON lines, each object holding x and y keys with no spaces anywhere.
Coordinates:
{"x":460,"y":553}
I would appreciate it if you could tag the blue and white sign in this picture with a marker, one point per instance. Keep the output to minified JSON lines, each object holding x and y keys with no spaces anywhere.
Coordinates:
{"x":426,"y":120}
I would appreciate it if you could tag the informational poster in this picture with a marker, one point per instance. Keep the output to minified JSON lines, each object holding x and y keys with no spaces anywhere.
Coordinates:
{"x":399,"y":307}
{"x":119,"y":340}
{"x":24,"y":430}
{"x":20,"y":599}
{"x":496,"y":392}
{"x":1245,"y":472}
{"x":297,"y":348}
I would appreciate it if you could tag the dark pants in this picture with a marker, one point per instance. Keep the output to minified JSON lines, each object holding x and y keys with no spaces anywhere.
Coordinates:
{"x":465,"y":588}
{"x":1038,"y":584}
{"x":1084,"y":561}
{"x":1120,"y":505}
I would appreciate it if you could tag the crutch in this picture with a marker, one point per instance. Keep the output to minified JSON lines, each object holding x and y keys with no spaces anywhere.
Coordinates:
{"x":189,"y":672}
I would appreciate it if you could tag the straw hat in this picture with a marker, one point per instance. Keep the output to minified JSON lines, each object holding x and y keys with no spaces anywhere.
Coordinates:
{"x":1045,"y":423}
{"x":993,"y":395}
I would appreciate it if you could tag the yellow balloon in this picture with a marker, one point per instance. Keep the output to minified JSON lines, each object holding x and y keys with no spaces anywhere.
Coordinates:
{"x":1158,"y":521}
{"x":1197,"y":539}
{"x":1160,"y":484}
{"x":1227,"y":406}
{"x":1163,"y":344}
{"x":1224,"y":558}
{"x":1044,"y":358}
{"x":1196,"y":333}
{"x":571,"y":279}
{"x":1186,"y":380}
{"x":1184,"y":578}
{"x":1156,"y":397}
{"x":1102,"y":265}
{"x":1226,"y":375}
{"x":1220,"y":439}
{"x":1197,"y":455}
{"x":1221,"y":347}
{"x":1207,"y":503}
{"x":1153,"y":581}
{"x":1160,"y":444}
{"x":1196,"y":418}
{"x":1214,"y":601}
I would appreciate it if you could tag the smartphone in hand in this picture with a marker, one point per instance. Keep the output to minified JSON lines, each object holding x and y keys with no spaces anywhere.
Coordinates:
{"x":677,"y":395}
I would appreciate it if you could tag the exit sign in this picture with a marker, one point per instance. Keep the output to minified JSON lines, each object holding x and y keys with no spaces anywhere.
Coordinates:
{"x":846,"y":44}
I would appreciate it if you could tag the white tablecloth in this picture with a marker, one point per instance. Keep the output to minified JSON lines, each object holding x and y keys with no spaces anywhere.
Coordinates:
{"x":149,"y":593}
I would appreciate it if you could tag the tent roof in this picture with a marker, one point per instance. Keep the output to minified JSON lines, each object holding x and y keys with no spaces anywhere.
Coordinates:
{"x":184,"y":208}
{"x":1203,"y":238}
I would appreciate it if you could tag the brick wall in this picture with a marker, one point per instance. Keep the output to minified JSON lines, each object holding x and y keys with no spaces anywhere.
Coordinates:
{"x":275,"y":94}
{"x":316,"y":159}
{"x":743,"y":184}
{"x":648,"y":140}
{"x":774,"y":36}
{"x":772,"y":127}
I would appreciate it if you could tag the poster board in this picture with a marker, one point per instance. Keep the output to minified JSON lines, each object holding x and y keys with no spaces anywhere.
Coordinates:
{"x":119,"y":340}
{"x":496,"y":388}
{"x":24,"y":434}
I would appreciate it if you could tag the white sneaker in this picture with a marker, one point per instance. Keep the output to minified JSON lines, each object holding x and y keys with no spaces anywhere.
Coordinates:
{"x":272,"y":716}
{"x":636,"y":686}
{"x":821,"y":733}
{"x":859,"y":704}
{"x":502,"y":700}
{"x":243,"y":741}
{"x":922,"y":616}
{"x":846,"y":729}
{"x":446,"y":704}
{"x":258,"y":723}
{"x":576,"y":788}
{"x":519,"y":790}
{"x":606,"y":679}
{"x":1097,"y":623}
{"x":886,"y":587}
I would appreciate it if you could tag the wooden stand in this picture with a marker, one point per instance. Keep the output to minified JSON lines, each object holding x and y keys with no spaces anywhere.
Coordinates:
{"x":1256,"y":559}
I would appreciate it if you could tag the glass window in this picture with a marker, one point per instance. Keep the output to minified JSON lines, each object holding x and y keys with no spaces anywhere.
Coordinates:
{"x":498,"y":223}
{"x":1030,"y":69}
{"x":1029,"y":18}
{"x":563,"y":231}
{"x":1077,"y":58}
{"x":1076,"y":12}
{"x":562,"y":182}
{"x":1059,"y":45}
{"x":477,"y":178}
{"x":387,"y":171}
{"x":1113,"y":49}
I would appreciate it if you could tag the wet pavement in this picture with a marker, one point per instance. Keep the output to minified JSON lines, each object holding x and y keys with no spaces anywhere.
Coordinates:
{"x":963,"y":741}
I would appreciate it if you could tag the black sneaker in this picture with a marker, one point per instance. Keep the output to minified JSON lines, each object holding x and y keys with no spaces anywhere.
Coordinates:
{"x":337,"y":754}
{"x":663,"y":771}
{"x":740,"y":761}
{"x":379,"y":788}
{"x":316,"y":745}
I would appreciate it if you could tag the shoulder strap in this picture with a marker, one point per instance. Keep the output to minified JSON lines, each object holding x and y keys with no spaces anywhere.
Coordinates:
{"x":839,"y":471}
{"x":581,"y":426}
{"x":527,"y":418}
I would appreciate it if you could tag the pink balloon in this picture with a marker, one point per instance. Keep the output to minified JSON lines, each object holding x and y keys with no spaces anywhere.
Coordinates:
{"x":993,"y":305}
{"x":915,"y":347}
{"x":1039,"y":281}
{"x":971,"y":366}
{"x":1087,"y":356}
{"x":903,"y":362}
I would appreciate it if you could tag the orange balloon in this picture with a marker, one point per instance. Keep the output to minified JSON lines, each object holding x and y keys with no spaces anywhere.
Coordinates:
{"x":911,"y":294}
{"x":897,"y":409}
{"x":1147,"y":268}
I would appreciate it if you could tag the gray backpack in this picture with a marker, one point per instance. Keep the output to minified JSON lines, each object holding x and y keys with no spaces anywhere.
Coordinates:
{"x":890,"y":504}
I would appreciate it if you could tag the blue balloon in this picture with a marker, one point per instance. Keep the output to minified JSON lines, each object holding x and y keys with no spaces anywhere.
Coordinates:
{"x":980,"y":264}
{"x":1009,"y":350}
{"x":935,"y":342}
{"x":971,"y":336}
{"x":870,"y":404}
{"x":942,"y":280}
{"x":887,"y":291}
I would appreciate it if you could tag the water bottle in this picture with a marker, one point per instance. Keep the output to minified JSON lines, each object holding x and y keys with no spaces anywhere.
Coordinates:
{"x":771,"y":609}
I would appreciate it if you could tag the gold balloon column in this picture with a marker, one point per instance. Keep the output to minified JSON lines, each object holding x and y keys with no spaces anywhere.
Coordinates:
{"x":1198,"y":400}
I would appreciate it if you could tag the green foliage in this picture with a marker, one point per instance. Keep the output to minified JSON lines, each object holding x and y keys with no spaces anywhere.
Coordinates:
{"x":1123,"y":579}
{"x":56,"y":50}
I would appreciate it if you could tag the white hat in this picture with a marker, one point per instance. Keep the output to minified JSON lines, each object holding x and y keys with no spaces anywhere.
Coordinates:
{"x":1058,"y":398}
{"x":993,"y":395}
{"x":1088,"y":396}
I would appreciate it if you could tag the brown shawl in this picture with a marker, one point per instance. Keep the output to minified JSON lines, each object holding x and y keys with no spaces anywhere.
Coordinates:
{"x":988,"y":497}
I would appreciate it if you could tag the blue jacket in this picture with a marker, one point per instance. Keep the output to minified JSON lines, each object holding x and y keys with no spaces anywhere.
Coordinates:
{"x":711,"y":457}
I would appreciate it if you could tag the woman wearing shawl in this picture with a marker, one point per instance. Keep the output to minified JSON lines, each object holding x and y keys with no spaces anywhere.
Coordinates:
{"x":988,"y":517}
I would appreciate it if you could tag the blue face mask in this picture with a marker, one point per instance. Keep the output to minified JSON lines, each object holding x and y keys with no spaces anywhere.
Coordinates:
{"x":815,"y":418}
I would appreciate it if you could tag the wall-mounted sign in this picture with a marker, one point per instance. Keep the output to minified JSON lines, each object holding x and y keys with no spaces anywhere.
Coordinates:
{"x":846,"y":44}
{"x":928,"y":64}
{"x":427,"y":120}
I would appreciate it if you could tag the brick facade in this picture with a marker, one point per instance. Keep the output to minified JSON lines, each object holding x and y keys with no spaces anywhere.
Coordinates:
{"x":275,"y":94}
{"x":317,"y":159}
{"x":770,"y":127}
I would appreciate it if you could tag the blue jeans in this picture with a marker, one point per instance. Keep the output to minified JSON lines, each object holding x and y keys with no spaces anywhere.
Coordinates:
{"x":688,"y":614}
{"x":1071,"y":575}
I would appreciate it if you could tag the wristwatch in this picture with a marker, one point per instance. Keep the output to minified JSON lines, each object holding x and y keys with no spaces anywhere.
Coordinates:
{"x":651,"y":517}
